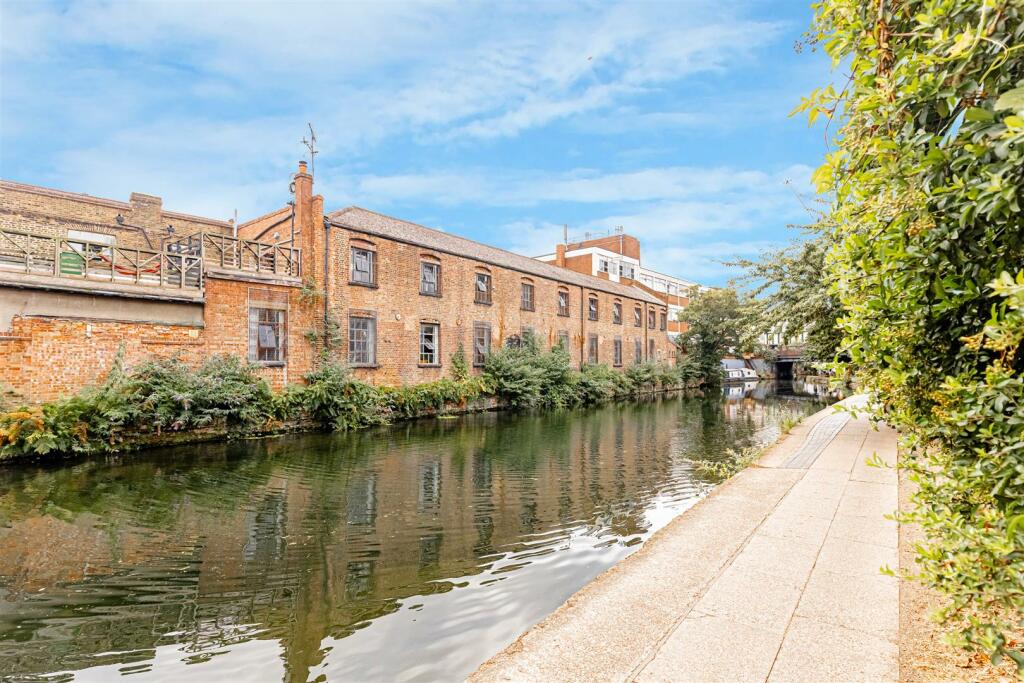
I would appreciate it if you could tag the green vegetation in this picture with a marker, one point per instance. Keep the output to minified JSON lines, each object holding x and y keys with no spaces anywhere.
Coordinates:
{"x":926,"y":177}
{"x":226,"y":394}
{"x":732,"y":462}
{"x":714,"y":319}
{"x":524,"y":376}
{"x":790,"y":293}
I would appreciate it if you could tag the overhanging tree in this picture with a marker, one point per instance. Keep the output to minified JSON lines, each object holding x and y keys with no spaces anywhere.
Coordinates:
{"x":791,"y":293}
{"x":926,"y":175}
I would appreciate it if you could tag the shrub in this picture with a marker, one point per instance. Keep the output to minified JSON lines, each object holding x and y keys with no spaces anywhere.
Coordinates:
{"x":597,"y":384}
{"x":338,"y":401}
{"x":434,"y":396}
{"x":169,"y":395}
{"x":460,"y":368}
{"x":928,"y":263}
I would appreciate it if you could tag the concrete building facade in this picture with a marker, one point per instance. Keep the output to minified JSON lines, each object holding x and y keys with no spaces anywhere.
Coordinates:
{"x":82,"y":278}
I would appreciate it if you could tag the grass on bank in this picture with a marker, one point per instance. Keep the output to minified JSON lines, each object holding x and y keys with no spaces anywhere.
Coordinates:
{"x":225,"y":393}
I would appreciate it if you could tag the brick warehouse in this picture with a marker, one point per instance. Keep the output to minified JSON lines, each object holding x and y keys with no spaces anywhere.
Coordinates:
{"x":82,"y":277}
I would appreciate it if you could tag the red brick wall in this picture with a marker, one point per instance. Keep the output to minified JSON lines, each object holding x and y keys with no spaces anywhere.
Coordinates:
{"x":399,"y":308}
{"x":52,"y":212}
{"x":43,"y":359}
{"x":627,"y":245}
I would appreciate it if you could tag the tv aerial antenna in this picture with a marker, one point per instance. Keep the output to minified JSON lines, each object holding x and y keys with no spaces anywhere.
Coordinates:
{"x":310,"y":144}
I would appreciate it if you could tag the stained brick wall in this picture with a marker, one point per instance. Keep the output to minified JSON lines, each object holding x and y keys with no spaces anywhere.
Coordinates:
{"x":43,"y":359}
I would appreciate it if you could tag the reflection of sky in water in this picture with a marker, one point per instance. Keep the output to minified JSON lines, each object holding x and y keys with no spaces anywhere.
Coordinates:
{"x":414,"y":552}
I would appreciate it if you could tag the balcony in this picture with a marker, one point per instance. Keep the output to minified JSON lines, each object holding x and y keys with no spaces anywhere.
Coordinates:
{"x":178,"y":271}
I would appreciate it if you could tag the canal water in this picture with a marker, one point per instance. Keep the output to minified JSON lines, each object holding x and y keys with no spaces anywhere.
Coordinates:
{"x":413,"y":552}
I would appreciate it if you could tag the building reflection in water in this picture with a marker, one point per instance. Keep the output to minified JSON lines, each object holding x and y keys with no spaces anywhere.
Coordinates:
{"x":463,"y":531}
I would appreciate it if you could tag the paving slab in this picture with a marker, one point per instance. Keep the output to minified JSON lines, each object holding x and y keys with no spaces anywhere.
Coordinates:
{"x":774,"y":576}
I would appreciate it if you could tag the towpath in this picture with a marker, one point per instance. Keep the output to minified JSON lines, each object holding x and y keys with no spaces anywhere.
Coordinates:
{"x":774,"y":576}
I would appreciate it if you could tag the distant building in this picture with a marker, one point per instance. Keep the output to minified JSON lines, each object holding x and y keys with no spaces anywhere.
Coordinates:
{"x":616,"y":257}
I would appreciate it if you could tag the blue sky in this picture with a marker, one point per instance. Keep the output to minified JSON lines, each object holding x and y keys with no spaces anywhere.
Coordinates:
{"x":497,"y":121}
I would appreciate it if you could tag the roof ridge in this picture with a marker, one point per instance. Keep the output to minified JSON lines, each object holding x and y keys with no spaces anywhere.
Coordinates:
{"x":106,"y":201}
{"x":541,"y":268}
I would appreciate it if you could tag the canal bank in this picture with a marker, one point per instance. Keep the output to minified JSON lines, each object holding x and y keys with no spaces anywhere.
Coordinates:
{"x":773,"y":576}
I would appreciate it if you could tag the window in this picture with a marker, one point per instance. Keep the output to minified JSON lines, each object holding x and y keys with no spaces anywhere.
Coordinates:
{"x":617,"y":313}
{"x":650,"y":318}
{"x":626,"y":271}
{"x":483,"y":288}
{"x":617,"y":352}
{"x":602,"y":265}
{"x":664,"y":321}
{"x":481,"y":343}
{"x":527,"y":297}
{"x":362,"y":340}
{"x":638,"y":317}
{"x":650,"y":349}
{"x":363,"y":272}
{"x":563,"y":304}
{"x":268,"y":330}
{"x":266,"y":335}
{"x":430,"y":342}
{"x":430,"y":278}
{"x":592,"y":310}
{"x":638,"y":351}
{"x":592,"y":348}
{"x":563,"y":340}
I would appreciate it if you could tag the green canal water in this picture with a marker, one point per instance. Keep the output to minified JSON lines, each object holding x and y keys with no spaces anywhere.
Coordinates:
{"x":413,"y":552}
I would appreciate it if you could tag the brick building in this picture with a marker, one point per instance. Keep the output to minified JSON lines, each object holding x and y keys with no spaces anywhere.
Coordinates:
{"x":82,"y":277}
{"x":616,"y":258}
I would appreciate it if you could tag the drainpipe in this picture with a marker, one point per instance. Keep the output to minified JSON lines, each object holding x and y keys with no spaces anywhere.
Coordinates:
{"x":327,"y":284}
{"x":583,"y":331}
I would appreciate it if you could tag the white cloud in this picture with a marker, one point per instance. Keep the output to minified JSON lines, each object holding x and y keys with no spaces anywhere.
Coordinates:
{"x":495,"y":186}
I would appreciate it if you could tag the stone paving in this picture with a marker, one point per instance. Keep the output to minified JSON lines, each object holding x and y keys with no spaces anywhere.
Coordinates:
{"x":775,"y":576}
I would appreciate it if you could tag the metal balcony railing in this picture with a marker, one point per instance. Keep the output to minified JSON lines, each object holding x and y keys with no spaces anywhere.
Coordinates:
{"x":34,"y":254}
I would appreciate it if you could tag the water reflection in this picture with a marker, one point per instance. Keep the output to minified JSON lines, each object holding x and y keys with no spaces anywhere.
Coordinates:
{"x":412,"y":552}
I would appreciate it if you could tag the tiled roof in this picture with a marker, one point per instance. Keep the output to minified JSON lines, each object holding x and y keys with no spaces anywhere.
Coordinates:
{"x":378,"y":224}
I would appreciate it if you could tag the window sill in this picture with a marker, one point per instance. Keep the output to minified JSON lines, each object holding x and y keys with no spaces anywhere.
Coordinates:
{"x":483,"y":303}
{"x":364,"y":366}
{"x":593,"y":320}
{"x":563,"y":315}
{"x":428,"y":365}
{"x":435,"y":295}
{"x":271,"y":363}
{"x":528,"y":310}
{"x":368,"y":285}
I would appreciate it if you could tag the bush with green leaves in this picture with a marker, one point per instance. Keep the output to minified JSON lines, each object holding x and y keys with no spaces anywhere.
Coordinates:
{"x":157,"y":396}
{"x":167,"y":394}
{"x":926,"y":177}
{"x":336,"y":400}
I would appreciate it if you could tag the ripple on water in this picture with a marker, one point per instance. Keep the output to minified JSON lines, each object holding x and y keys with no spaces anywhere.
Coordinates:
{"x":314,"y":554}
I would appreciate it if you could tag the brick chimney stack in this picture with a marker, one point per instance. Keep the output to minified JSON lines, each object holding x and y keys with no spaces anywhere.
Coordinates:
{"x":560,"y":255}
{"x":146,"y":212}
{"x":309,"y":225}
